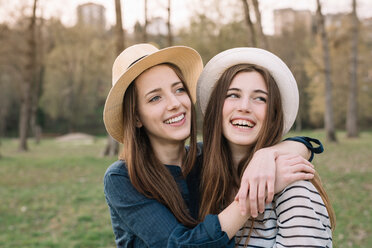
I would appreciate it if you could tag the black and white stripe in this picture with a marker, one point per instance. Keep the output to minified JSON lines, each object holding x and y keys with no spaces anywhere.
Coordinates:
{"x":296,"y":218}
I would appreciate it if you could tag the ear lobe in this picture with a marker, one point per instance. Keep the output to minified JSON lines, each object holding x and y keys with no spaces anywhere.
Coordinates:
{"x":138,"y":123}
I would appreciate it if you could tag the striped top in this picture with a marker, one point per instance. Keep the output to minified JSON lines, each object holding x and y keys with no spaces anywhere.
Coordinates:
{"x":296,"y":218}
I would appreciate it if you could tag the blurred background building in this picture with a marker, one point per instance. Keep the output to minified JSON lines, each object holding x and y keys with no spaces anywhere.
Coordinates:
{"x":91,"y":14}
{"x":285,"y":20}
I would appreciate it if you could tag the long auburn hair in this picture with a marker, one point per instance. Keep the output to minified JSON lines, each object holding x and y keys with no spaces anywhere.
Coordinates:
{"x":219,"y":176}
{"x":147,"y":174}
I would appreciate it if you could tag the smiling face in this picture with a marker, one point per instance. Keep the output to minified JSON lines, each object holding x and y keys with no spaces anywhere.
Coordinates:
{"x":164,"y":107}
{"x":244,"y":109}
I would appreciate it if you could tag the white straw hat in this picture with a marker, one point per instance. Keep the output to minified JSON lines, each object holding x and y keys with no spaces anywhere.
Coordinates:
{"x":131,"y":63}
{"x":249,"y":55}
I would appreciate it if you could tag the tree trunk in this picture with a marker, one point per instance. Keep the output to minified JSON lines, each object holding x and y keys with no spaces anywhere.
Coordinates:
{"x":249,"y":23}
{"x":352,"y":110}
{"x":119,"y":32}
{"x":170,"y":37}
{"x":112,"y":147}
{"x":328,"y":114}
{"x":27,"y":85}
{"x":145,"y":25}
{"x":36,"y":92}
{"x":259,"y":24}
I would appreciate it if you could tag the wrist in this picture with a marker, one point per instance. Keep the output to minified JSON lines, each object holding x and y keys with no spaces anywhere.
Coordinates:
{"x":269,"y":151}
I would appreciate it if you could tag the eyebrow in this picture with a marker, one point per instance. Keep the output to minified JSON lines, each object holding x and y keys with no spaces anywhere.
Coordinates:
{"x":255,"y":91}
{"x":159,"y":89}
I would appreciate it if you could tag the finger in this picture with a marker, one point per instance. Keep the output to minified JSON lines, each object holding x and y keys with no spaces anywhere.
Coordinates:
{"x":270,"y":190}
{"x":301,"y":176}
{"x":308,"y":163}
{"x":253,"y":199}
{"x":261,"y":196}
{"x":298,"y":160}
{"x":302,"y":168}
{"x":242,"y":196}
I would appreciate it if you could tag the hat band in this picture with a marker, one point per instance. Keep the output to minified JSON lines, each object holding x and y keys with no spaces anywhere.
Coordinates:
{"x":136,"y":60}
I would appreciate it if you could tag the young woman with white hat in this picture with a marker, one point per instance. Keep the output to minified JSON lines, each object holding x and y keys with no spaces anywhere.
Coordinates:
{"x":249,"y":99}
{"x":153,"y":190}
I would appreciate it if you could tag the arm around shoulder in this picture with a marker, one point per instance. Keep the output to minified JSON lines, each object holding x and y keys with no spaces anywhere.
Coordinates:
{"x":150,"y":220}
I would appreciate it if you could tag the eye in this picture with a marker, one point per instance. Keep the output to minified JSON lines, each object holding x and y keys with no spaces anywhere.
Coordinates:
{"x":260,"y":99}
{"x":232,"y":95}
{"x":154,"y":99}
{"x":180,"y":90}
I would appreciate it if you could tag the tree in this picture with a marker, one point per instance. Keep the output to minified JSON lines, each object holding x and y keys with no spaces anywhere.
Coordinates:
{"x":38,"y":84}
{"x":77,"y":70}
{"x":119,"y":32}
{"x":299,"y":41}
{"x":352,"y":111}
{"x":146,"y":24}
{"x":328,"y":114}
{"x":257,"y":12}
{"x":249,"y":22}
{"x":26,"y":98}
{"x":112,"y":147}
{"x":170,"y":37}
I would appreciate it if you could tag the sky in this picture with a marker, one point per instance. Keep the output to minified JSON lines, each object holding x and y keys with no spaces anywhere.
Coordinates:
{"x":182,"y":10}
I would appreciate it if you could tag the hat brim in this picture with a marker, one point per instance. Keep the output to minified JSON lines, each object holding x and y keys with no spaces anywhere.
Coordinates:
{"x":248,"y":55}
{"x":185,"y":58}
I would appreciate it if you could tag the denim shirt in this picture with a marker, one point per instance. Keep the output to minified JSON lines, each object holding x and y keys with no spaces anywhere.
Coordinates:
{"x":138,"y":221}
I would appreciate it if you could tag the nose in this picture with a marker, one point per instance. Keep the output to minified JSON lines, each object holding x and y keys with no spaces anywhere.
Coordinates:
{"x":173,"y":102}
{"x":244,"y":105}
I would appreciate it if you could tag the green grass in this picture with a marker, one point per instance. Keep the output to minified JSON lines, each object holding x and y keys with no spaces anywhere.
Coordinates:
{"x":53,"y":196}
{"x":346,"y":171}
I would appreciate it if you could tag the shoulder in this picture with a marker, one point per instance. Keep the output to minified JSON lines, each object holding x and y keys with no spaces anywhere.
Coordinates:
{"x":118,"y":186}
{"x":302,"y":217}
{"x":299,"y":191}
{"x":299,"y":187}
{"x":118,"y":167}
{"x":301,"y":199}
{"x":116,"y":173}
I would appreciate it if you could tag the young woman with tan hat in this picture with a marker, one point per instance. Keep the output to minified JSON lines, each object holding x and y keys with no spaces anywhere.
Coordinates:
{"x":249,"y":98}
{"x":153,"y":190}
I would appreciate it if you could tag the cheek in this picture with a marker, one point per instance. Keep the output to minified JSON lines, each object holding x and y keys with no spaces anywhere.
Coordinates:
{"x":226,"y":110}
{"x":186,"y":101}
{"x":261,"y":111}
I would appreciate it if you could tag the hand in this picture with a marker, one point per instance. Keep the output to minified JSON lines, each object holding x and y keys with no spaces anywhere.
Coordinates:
{"x":259,"y":179}
{"x":291,"y":168}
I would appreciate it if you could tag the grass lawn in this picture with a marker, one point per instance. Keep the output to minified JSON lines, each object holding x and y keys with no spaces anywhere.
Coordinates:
{"x":53,"y":196}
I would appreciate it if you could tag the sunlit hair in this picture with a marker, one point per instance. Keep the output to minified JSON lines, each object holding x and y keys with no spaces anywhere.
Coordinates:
{"x":219,"y":177}
{"x":147,"y":174}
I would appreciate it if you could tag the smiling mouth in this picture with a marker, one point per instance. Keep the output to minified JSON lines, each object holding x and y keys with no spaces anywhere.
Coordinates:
{"x":175,"y":119}
{"x":245,"y":124}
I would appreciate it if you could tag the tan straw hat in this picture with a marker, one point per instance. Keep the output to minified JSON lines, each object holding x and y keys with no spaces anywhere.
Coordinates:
{"x":249,"y":55}
{"x":131,"y":63}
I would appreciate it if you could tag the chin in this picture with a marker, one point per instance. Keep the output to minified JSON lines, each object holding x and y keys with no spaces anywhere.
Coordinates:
{"x":243,"y":141}
{"x":181,"y":136}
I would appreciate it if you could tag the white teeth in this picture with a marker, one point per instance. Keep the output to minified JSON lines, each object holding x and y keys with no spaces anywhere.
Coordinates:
{"x":242,"y":123}
{"x":175,"y":119}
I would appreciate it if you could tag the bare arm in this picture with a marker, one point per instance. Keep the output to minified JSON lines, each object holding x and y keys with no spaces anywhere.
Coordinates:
{"x":231,"y":219}
{"x":289,"y":146}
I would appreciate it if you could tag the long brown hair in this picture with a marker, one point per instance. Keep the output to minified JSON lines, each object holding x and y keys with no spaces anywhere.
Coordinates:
{"x":219,"y":176}
{"x":147,"y":174}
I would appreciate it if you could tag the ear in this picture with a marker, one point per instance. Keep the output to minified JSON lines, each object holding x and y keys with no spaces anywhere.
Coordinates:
{"x":138,"y":122}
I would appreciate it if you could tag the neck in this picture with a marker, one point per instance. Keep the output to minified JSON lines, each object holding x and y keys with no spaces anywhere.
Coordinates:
{"x":170,"y":153}
{"x":238,"y":152}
